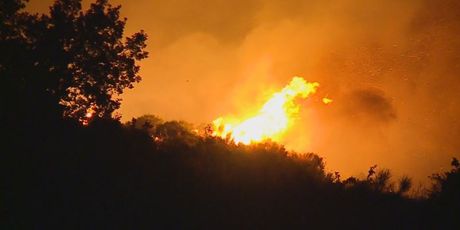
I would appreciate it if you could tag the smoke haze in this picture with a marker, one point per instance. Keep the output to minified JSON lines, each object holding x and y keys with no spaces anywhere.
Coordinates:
{"x":391,"y":67}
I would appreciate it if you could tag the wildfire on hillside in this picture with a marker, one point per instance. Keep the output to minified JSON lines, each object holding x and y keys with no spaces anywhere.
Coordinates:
{"x":272,"y":120}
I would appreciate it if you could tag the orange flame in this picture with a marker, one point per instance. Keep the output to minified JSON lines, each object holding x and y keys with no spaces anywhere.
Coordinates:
{"x":327,"y":100}
{"x":273,"y":118}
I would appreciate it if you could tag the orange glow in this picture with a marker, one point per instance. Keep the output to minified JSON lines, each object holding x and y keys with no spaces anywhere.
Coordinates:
{"x":272,"y":120}
{"x":88,"y":116}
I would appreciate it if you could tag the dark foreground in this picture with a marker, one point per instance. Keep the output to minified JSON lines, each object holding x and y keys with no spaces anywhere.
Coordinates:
{"x":56,"y":173}
{"x":109,"y":176}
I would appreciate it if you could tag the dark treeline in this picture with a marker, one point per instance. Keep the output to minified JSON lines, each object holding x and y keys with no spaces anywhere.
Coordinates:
{"x":68,"y":163}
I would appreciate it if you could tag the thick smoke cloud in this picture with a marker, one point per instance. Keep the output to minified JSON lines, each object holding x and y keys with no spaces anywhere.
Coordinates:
{"x":370,"y":104}
{"x":392,"y":68}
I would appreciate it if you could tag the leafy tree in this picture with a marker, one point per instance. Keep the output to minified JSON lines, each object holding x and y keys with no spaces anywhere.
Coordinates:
{"x":147,"y":122}
{"x":76,"y":61}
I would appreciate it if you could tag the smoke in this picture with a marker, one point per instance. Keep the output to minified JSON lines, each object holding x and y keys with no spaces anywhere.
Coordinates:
{"x":369,"y":104}
{"x":391,"y":67}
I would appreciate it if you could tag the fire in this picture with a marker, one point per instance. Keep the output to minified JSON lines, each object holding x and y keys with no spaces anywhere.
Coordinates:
{"x":327,"y":100}
{"x":88,"y":116}
{"x":275,"y":116}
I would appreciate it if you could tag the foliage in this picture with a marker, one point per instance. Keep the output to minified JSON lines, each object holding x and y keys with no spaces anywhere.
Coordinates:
{"x":128,"y":178}
{"x":71,"y":57}
{"x":149,"y":173}
{"x":445,"y":194}
{"x":405,"y":184}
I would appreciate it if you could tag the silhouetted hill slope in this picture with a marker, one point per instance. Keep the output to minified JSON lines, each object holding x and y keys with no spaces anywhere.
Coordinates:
{"x":67,"y":163}
{"x":112,"y":176}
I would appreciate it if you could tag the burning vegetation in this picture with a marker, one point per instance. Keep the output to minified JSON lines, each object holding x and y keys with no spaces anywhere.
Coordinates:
{"x":68,"y":162}
{"x":272,"y":120}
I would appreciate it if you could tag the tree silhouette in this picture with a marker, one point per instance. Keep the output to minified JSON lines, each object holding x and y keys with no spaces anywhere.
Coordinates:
{"x":404,"y":185}
{"x":150,"y":173}
{"x":445,"y":194}
{"x":382,"y":180}
{"x":148,"y":123}
{"x":72,"y":58}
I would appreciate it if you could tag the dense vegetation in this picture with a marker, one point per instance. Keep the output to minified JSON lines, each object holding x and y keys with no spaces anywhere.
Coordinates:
{"x":57,"y":173}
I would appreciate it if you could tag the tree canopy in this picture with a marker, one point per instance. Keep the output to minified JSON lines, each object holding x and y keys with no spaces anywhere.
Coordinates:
{"x":150,"y":173}
{"x":71,"y":61}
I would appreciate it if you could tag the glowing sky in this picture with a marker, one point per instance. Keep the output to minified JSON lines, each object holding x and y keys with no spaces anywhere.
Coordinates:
{"x":392,"y":68}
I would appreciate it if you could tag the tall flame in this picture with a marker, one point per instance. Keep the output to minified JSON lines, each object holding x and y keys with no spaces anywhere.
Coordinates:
{"x":273,"y":118}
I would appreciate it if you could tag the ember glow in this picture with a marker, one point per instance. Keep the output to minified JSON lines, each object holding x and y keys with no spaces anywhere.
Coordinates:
{"x":272,"y":120}
{"x":88,"y":116}
{"x":327,"y":100}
